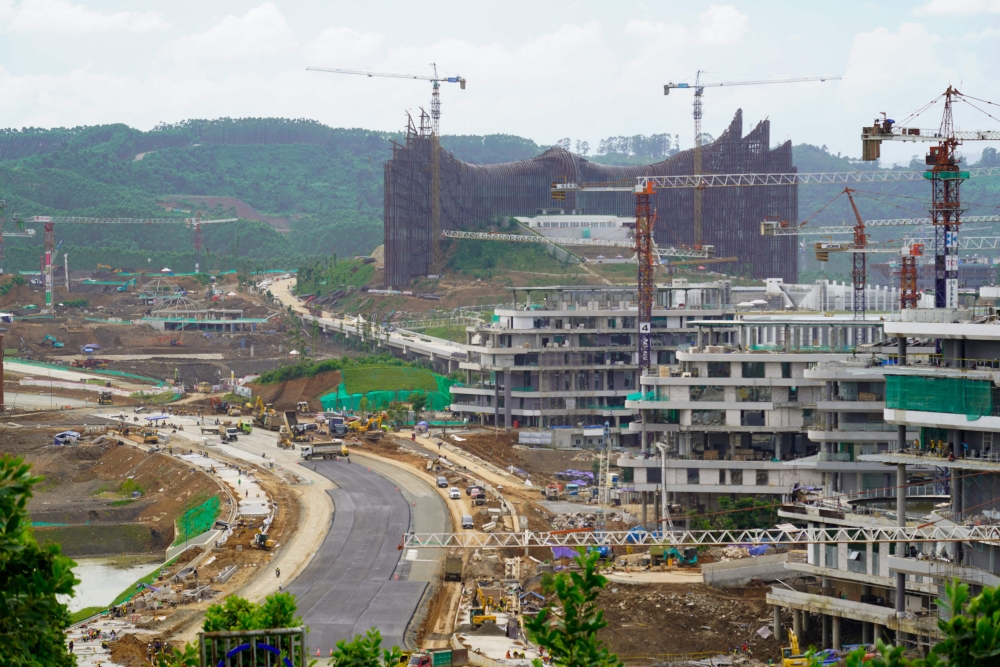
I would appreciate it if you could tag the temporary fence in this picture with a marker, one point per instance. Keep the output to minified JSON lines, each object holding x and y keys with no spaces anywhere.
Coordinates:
{"x":375,"y":400}
{"x":972,"y":398}
{"x":197,"y":520}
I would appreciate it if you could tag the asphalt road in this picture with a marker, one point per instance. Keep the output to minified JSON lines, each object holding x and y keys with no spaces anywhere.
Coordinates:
{"x":356,"y":581}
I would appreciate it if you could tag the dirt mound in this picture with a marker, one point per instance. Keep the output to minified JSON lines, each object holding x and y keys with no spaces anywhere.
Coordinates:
{"x":129,"y":651}
{"x":189,"y":555}
{"x":285,"y":395}
{"x":19,"y":294}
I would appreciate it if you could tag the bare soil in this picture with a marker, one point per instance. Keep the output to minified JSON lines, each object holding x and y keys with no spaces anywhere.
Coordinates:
{"x":285,"y":395}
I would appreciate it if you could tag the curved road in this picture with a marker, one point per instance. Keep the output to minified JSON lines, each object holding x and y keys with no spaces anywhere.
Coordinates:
{"x":356,"y":580}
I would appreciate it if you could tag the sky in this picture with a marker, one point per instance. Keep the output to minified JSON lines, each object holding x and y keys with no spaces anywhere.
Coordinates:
{"x":542,"y":70}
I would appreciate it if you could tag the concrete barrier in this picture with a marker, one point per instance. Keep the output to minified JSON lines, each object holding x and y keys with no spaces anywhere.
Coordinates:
{"x":741,"y":572}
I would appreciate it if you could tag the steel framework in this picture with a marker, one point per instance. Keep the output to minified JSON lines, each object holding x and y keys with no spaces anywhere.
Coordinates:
{"x":699,"y":538}
{"x":471,"y":196}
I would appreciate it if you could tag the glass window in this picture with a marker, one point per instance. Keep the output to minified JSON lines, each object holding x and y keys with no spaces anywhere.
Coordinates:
{"x":753,"y":394}
{"x":707,"y":393}
{"x":753,"y":369}
{"x":786,"y":369}
{"x":761,"y":478}
{"x":736,"y":477}
{"x":694,"y":476}
{"x":718,"y":369}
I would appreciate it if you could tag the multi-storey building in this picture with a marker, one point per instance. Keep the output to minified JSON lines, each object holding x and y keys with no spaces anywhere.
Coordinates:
{"x":748,"y":412}
{"x":564,"y":358}
{"x":940,"y":470}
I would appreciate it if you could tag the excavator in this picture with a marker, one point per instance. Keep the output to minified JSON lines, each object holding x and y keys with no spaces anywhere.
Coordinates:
{"x":371,"y":428}
{"x":52,"y":339}
{"x":264,"y":416}
{"x":791,"y":655}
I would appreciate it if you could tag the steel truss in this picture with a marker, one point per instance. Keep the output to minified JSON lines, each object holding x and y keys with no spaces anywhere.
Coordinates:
{"x":699,"y":538}
{"x":771,"y":228}
{"x":525,"y":238}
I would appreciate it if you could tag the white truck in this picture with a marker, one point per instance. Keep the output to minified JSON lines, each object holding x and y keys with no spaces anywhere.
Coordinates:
{"x":324,"y":450}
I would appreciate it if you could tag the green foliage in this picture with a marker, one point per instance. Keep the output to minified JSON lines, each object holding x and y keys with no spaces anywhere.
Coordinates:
{"x":327,"y":275}
{"x":307,"y":369}
{"x":84,"y":614}
{"x":418,"y":401}
{"x":236,"y":613}
{"x":32,"y":620}
{"x":455,"y":333}
{"x":361,"y":380}
{"x":484,"y":259}
{"x":571,"y":637}
{"x":10,"y":283}
{"x":744,"y":514}
{"x":365,"y":651}
{"x":129,"y":486}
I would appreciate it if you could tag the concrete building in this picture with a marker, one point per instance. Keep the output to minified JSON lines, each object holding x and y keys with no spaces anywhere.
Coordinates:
{"x":940,"y":469}
{"x":564,"y":358}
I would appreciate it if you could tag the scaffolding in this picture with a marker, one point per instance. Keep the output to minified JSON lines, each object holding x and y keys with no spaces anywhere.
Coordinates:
{"x":972,"y":398}
{"x":428,"y":190}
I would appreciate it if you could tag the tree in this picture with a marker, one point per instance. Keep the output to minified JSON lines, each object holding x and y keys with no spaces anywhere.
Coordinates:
{"x":418,"y":401}
{"x":570,"y":637}
{"x":236,"y":613}
{"x":32,"y":620}
{"x":365,"y":651}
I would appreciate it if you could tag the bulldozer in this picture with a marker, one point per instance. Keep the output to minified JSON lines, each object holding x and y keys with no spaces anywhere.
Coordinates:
{"x":105,"y":398}
{"x":260,"y":541}
{"x":302,"y":407}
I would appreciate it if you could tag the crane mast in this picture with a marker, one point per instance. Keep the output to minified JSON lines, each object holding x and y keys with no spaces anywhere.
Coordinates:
{"x":699,"y":90}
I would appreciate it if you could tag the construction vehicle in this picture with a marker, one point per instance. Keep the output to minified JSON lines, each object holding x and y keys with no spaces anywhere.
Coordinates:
{"x":52,"y":339}
{"x":336,"y":426}
{"x":478,"y":616}
{"x":261,"y":541}
{"x":104,"y":398}
{"x":89,"y":363}
{"x":670,"y":555}
{"x":791,"y":655}
{"x":103,"y":266}
{"x":372,"y":429}
{"x":324,"y":450}
{"x":205,"y":387}
{"x":552,"y":492}
{"x":453,"y":568}
{"x":302,"y":407}
{"x":245,"y":427}
{"x":264,"y":416}
{"x":149,"y":437}
{"x":124,"y":287}
{"x":234,"y":410}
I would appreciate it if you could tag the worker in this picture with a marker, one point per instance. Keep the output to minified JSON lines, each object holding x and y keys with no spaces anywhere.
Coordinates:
{"x":277,"y":572}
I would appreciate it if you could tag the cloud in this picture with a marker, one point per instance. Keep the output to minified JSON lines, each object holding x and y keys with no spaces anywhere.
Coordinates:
{"x":60,"y":16}
{"x":982,"y":35}
{"x":719,"y":24}
{"x":339,"y":46}
{"x":870,"y":51}
{"x":958,"y":7}
{"x":261,"y":31}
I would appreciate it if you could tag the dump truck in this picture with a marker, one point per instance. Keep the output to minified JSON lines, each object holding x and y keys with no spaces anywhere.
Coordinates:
{"x":105,"y":398}
{"x":324,"y":450}
{"x":336,"y":426}
{"x":453,"y":568}
{"x":438,"y":657}
{"x":245,"y":427}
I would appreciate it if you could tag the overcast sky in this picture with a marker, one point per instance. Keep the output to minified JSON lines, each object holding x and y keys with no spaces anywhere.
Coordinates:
{"x":544,"y":70}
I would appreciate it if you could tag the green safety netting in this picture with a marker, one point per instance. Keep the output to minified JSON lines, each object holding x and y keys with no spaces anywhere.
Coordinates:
{"x":342,"y":400}
{"x":971,"y":398}
{"x":197,"y":520}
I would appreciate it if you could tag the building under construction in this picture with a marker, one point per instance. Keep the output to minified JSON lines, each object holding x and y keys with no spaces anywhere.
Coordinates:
{"x":471,"y":195}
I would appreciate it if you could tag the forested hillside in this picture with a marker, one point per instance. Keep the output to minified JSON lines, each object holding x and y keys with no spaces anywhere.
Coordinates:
{"x":322,"y":185}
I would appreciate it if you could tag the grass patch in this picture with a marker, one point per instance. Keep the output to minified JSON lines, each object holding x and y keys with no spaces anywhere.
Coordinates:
{"x":455,"y":333}
{"x":131,"y":590}
{"x":486,"y":259}
{"x":387,"y":378}
{"x":121,"y":503}
{"x":129,"y":486}
{"x":85,"y":613}
{"x":324,"y":276}
{"x":308,"y":369}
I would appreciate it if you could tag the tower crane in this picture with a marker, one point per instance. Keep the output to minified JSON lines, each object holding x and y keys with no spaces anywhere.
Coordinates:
{"x":21,"y":232}
{"x":699,"y":89}
{"x":435,"y":86}
{"x":49,"y":223}
{"x":945,"y":176}
{"x":774,"y":227}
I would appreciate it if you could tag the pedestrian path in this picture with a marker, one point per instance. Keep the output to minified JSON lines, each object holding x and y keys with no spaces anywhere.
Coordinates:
{"x":251,"y":497}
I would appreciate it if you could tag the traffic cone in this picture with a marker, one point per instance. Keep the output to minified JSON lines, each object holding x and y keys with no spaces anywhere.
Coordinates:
{"x":317,"y":653}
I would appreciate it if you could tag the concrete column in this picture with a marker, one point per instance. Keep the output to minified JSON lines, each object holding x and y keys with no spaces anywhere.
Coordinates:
{"x":901,"y":546}
{"x":876,"y":633}
{"x":507,"y":401}
{"x":496,"y":400}
{"x":866,"y":633}
{"x":777,"y":621}
{"x":644,"y":444}
{"x":836,"y":633}
{"x":777,"y":446}
{"x":787,"y":338}
{"x":645,"y":512}
{"x":825,"y":625}
{"x":805,"y":621}
{"x":797,"y":622}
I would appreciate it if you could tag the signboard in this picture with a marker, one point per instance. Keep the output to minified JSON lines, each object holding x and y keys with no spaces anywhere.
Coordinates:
{"x":951,"y":263}
{"x":951,"y":293}
{"x":571,"y":404}
{"x":645,"y":327}
{"x":951,"y":239}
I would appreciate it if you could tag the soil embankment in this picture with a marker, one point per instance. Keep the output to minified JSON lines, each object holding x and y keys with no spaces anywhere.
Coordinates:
{"x":285,"y":395}
{"x":86,"y":502}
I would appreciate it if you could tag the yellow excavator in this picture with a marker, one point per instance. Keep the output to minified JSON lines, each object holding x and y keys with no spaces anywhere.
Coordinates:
{"x":265,"y":416}
{"x":371,"y":428}
{"x":791,"y":655}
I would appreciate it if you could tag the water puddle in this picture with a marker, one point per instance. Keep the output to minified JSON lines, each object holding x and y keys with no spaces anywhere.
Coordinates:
{"x":101,"y":580}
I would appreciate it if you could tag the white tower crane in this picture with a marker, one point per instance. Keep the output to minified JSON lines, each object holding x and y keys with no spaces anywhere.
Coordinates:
{"x":435,"y":83}
{"x":699,"y":89}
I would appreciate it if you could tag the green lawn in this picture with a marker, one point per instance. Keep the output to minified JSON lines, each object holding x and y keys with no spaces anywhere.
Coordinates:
{"x":455,"y":333}
{"x":387,"y":378}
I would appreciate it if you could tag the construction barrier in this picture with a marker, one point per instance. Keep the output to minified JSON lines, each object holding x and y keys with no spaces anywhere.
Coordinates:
{"x":341,"y":400}
{"x":197,"y":520}
{"x":972,"y":398}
